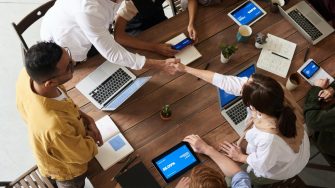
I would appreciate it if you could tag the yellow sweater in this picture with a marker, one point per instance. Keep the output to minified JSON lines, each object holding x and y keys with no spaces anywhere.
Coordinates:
{"x":56,"y":133}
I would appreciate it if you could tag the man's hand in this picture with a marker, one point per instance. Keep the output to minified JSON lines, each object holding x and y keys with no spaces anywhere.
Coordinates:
{"x":169,"y":65}
{"x":184,"y":182}
{"x":198,"y":145}
{"x":165,"y":50}
{"x":192,"y":33}
{"x":180,"y":67}
{"x":233,"y":151}
{"x":323,"y":83}
{"x":92,"y":129}
{"x":327,"y":94}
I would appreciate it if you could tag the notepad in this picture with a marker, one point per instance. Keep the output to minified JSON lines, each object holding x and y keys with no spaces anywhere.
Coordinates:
{"x":276,"y":55}
{"x":115,"y":146}
{"x":188,"y":54}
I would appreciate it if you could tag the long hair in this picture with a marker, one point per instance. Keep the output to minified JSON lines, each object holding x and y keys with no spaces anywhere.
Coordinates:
{"x":267,"y":96}
{"x":205,"y":177}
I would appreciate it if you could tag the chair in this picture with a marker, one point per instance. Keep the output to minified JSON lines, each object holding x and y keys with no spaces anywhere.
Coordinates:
{"x":175,"y":6}
{"x":31,"y":178}
{"x":28,"y":21}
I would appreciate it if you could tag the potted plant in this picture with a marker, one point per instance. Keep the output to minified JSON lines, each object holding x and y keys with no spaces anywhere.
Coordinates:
{"x":260,"y":40}
{"x":227,"y":51}
{"x":166,"y":112}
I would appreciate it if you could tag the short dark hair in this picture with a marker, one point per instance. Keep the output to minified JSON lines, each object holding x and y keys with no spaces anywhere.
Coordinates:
{"x":267,"y":96}
{"x":41,"y":61}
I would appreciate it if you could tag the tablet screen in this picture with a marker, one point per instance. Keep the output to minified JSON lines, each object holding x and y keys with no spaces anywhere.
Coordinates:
{"x":310,"y":69}
{"x":175,"y":161}
{"x":247,"y":13}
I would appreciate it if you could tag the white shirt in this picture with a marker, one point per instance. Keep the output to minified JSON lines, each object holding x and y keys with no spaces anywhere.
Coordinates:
{"x":268,"y":155}
{"x":77,"y":24}
{"x":127,"y":10}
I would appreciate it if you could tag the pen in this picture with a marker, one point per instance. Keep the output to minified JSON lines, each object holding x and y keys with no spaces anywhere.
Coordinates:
{"x":306,"y":54}
{"x":274,"y":53}
{"x":124,"y":168}
{"x":206,"y":67}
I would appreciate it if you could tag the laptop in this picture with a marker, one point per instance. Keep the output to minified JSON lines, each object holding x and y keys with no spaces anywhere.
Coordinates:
{"x":232,"y":107}
{"x":312,"y":26}
{"x":110,"y":85}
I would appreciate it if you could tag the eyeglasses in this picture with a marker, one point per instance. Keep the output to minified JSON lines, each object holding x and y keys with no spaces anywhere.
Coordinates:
{"x":69,"y":67}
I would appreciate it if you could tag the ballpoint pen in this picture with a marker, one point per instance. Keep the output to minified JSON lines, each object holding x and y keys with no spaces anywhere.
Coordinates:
{"x":206,"y":67}
{"x":274,"y":53}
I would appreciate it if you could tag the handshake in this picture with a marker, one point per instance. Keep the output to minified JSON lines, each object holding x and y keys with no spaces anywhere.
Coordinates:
{"x":170,"y":66}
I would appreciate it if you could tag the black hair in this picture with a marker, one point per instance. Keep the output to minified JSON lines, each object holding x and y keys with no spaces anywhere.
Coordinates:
{"x":267,"y":96}
{"x":41,"y":61}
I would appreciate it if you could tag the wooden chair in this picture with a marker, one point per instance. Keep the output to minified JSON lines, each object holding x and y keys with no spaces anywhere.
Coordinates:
{"x":27,"y":21}
{"x":31,"y":179}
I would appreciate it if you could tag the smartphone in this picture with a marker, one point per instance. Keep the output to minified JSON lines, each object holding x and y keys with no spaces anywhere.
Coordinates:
{"x":310,"y":69}
{"x":182,"y":44}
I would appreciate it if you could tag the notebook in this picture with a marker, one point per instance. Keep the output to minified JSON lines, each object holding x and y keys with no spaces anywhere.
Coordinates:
{"x":115,"y":146}
{"x":232,"y":107}
{"x":137,"y":177}
{"x":110,"y":85}
{"x":312,"y":26}
{"x":188,"y":54}
{"x":276,"y":55}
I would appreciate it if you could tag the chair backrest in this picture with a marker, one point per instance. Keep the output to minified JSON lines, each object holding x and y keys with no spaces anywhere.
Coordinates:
{"x":31,"y":178}
{"x":176,"y":6}
{"x":27,"y":21}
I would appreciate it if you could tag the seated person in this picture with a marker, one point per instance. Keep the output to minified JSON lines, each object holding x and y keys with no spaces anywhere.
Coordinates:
{"x":135,"y":16}
{"x":81,"y":25}
{"x":205,"y":177}
{"x":320,"y":118}
{"x":277,"y":144}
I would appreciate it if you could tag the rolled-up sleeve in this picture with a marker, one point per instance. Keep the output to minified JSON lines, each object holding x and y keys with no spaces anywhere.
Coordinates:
{"x":241,"y":180}
{"x":127,"y":10}
{"x":93,"y":25}
{"x":230,"y":84}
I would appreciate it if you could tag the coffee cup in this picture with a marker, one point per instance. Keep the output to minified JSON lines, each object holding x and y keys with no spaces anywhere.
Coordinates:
{"x":243,"y":34}
{"x":293,"y":81}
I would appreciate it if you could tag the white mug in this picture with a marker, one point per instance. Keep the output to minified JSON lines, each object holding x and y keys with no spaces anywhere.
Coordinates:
{"x":293,"y":81}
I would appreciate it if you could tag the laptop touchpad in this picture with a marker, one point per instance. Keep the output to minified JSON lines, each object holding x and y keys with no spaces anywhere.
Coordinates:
{"x":98,"y":76}
{"x":313,"y":17}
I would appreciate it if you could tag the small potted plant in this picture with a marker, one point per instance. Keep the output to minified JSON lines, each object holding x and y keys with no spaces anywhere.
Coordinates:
{"x":227,"y":51}
{"x":260,"y":40}
{"x":166,"y":112}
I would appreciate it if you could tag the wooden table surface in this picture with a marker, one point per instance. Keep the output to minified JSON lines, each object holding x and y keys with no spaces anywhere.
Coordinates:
{"x":194,"y":103}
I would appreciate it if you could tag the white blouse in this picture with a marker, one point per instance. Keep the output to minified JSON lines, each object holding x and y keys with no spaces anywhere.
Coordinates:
{"x":268,"y":155}
{"x":77,"y":24}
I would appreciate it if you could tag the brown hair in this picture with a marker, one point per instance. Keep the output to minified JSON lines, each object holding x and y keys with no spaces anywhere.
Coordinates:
{"x":267,"y":96}
{"x":205,"y":177}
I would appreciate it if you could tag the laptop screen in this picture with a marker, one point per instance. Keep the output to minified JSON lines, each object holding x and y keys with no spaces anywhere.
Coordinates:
{"x":226,"y":98}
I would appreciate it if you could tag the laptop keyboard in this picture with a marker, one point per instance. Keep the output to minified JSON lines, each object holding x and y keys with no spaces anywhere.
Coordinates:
{"x":305,"y":24}
{"x":110,"y":86}
{"x":237,"y":113}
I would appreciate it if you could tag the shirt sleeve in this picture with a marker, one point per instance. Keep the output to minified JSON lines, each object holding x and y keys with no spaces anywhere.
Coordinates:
{"x":93,"y":24}
{"x":73,"y":149}
{"x":241,"y":180}
{"x":127,"y":10}
{"x":230,"y":84}
{"x":315,"y":117}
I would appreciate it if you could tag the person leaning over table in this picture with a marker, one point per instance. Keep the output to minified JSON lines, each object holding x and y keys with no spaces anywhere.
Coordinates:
{"x":135,"y":16}
{"x":82,"y":26}
{"x":62,"y":137}
{"x":205,"y":177}
{"x":277,"y":144}
{"x":319,"y":111}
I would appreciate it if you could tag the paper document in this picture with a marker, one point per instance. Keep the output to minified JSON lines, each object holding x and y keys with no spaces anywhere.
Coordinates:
{"x":276,"y":55}
{"x":115,"y":146}
{"x":188,"y":54}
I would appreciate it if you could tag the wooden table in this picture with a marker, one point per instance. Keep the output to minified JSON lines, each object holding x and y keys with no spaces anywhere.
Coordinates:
{"x":194,"y":103}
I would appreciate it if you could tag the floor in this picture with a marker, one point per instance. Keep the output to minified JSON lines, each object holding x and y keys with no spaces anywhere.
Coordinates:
{"x":15,"y":154}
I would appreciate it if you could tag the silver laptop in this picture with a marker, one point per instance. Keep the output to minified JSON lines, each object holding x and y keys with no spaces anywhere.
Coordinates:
{"x":232,"y":107}
{"x":312,"y":26}
{"x":110,"y":85}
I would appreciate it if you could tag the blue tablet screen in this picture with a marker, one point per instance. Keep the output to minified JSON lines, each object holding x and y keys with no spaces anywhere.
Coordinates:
{"x":176,"y":161}
{"x":247,"y":13}
{"x":310,"y":69}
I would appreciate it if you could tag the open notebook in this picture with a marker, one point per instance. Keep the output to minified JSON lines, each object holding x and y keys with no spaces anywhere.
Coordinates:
{"x":186,"y":55}
{"x":115,"y":146}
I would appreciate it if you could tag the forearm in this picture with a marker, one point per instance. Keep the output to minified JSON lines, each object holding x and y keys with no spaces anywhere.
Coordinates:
{"x":203,"y":74}
{"x":227,"y":166}
{"x":153,"y":64}
{"x":133,"y":42}
{"x":192,"y":10}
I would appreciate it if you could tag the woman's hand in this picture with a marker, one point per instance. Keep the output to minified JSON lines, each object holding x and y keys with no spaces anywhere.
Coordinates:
{"x":233,"y":151}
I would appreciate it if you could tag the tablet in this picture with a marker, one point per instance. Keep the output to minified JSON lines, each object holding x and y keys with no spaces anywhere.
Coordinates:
{"x":176,"y":161}
{"x":247,"y":13}
{"x":310,"y":69}
{"x":312,"y":72}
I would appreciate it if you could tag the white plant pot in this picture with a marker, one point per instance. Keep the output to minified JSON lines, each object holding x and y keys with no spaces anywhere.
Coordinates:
{"x":259,"y":46}
{"x":223,"y":59}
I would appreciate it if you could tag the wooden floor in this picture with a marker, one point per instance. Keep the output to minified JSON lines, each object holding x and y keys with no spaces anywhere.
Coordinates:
{"x":194,"y":103}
